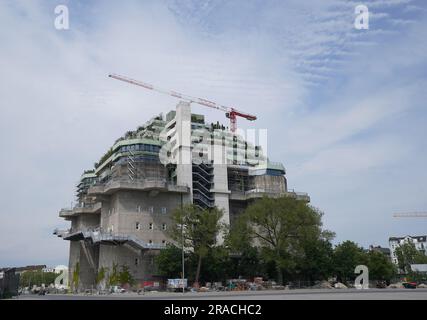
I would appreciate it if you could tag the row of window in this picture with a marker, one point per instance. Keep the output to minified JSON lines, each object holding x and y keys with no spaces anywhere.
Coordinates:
{"x":139,"y":209}
{"x":150,"y":209}
{"x":140,"y":147}
{"x":143,"y":158}
{"x":138,"y":226}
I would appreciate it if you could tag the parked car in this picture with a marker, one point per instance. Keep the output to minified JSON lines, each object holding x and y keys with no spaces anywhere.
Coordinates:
{"x":410,"y":285}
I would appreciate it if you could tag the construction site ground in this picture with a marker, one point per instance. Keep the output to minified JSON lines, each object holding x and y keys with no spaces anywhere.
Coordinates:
{"x":297,"y":294}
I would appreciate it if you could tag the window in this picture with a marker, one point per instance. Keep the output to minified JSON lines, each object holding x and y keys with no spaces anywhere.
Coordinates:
{"x":136,"y":261}
{"x":137,"y":226}
{"x":150,"y":241}
{"x":164,"y":210}
{"x":150,"y":226}
{"x":163,"y":242}
{"x":151,"y":209}
{"x":164,"y":226}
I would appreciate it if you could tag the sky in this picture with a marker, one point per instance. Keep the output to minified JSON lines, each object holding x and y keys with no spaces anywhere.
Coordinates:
{"x":344,"y":108}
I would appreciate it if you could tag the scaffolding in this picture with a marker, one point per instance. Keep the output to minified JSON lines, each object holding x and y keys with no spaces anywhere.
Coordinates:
{"x":238,"y":179}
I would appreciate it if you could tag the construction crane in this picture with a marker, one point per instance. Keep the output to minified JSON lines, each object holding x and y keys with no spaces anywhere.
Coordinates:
{"x":410,"y":215}
{"x":230,"y":113}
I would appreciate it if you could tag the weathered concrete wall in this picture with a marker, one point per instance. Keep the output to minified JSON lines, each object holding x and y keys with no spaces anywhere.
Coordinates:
{"x":85,"y":221}
{"x":74,"y":258}
{"x":127,"y":208}
{"x":276,"y":183}
{"x":88,"y":265}
{"x":140,"y":264}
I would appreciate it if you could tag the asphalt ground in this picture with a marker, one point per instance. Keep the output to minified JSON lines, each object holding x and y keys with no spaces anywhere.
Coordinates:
{"x":298,"y":294}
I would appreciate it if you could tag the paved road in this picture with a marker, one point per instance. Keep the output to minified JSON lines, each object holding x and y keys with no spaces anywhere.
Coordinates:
{"x":301,"y":294}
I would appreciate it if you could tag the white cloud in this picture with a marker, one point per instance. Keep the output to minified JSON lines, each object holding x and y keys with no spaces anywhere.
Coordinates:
{"x":60,"y":112}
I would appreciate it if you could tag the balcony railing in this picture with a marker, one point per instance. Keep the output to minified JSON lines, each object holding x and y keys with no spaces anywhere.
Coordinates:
{"x":260,"y":192}
{"x":80,"y":208}
{"x":137,"y":184}
{"x":98,"y":235}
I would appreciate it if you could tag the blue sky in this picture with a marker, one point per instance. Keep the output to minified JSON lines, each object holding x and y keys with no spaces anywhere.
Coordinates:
{"x":344,"y":108}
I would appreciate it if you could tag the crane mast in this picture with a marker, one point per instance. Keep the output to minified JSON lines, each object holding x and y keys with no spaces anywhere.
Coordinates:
{"x":230,"y":113}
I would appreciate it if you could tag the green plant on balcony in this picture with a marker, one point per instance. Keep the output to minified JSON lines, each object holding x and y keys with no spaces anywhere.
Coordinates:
{"x":108,"y":154}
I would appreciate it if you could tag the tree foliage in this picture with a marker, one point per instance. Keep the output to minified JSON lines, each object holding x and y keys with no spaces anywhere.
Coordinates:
{"x":38,"y":277}
{"x":101,"y":275}
{"x":196,"y":230}
{"x":407,"y":254}
{"x":380,"y":266}
{"x":125,"y":277}
{"x":119,"y":276}
{"x":346,"y":257}
{"x":316,"y":263}
{"x":76,"y":276}
{"x":279,"y":238}
{"x":169,"y":262}
{"x":282,"y":228}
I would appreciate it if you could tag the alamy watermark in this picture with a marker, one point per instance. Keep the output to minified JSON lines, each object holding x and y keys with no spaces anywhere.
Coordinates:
{"x":361,"y":22}
{"x":362,"y":280}
{"x":213,"y":146}
{"x":62,"y":19}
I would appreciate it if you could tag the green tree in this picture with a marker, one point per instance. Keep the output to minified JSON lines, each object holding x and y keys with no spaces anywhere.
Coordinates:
{"x":247,"y":263}
{"x":316,"y":263}
{"x":169,"y":262}
{"x":37,"y":277}
{"x":346,"y":257}
{"x":380,"y":267}
{"x":245,"y":258}
{"x":197,"y":230}
{"x":280,"y":227}
{"x":407,"y":254}
{"x":216,"y":265}
{"x":125,"y":277}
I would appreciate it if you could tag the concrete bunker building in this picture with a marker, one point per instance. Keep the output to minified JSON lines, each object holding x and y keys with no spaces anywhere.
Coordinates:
{"x":125,"y":202}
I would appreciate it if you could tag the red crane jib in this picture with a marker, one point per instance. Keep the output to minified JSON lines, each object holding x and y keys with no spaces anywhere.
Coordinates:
{"x":231,"y":113}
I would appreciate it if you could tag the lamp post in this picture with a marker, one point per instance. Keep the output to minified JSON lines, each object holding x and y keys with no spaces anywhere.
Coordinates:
{"x":182,"y":254}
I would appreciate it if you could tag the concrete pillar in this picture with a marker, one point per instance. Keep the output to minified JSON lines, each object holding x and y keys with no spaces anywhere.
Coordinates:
{"x":221,"y":194}
{"x":184,"y":172}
